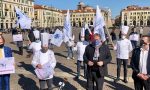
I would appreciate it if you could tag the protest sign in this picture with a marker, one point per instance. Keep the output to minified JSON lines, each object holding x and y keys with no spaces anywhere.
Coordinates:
{"x":17,"y":37}
{"x":45,"y":72}
{"x":7,"y":66}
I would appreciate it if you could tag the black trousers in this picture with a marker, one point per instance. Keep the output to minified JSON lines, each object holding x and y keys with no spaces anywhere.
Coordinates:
{"x":20,"y":50}
{"x":94,"y":78}
{"x":139,"y":84}
{"x":125,"y":64}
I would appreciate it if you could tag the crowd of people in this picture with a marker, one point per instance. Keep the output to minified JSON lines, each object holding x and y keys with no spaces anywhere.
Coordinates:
{"x":91,"y":51}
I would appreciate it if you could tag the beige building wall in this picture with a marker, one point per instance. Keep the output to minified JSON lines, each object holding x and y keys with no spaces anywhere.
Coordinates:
{"x":48,"y":17}
{"x":136,"y":16}
{"x":85,"y":14}
{"x":80,"y":18}
{"x":8,"y":16}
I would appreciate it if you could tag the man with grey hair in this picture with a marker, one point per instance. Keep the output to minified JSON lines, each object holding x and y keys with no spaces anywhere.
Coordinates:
{"x":96,"y":60}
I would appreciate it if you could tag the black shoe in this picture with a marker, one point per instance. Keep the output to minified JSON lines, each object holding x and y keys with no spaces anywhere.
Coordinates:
{"x":76,"y":78}
{"x":116,"y":80}
{"x":125,"y":81}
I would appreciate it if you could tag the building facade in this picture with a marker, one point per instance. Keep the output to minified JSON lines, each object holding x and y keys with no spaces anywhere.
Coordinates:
{"x":135,"y":16}
{"x":8,"y":15}
{"x":45,"y":16}
{"x":85,"y":14}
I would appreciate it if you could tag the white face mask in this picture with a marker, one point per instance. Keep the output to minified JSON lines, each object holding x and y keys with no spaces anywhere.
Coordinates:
{"x":123,"y":36}
{"x":82,"y":39}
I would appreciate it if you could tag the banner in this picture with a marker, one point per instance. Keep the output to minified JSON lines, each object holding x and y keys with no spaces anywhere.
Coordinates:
{"x":99,"y":23}
{"x":23,"y":20}
{"x":7,"y":66}
{"x":57,"y":38}
{"x":17,"y":37}
{"x":67,"y":28}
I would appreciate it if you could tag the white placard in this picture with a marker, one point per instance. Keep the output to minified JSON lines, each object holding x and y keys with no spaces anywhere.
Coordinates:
{"x":45,"y":72}
{"x":17,"y":37}
{"x":7,"y":66}
{"x":134,"y":37}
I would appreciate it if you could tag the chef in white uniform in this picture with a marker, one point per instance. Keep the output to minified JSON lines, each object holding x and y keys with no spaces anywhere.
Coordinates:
{"x":81,"y":45}
{"x":43,"y":57}
{"x":35,"y":46}
{"x":70,"y":45}
{"x":123,"y":47}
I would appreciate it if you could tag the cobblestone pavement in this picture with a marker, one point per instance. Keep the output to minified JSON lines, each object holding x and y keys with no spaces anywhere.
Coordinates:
{"x":25,"y":79}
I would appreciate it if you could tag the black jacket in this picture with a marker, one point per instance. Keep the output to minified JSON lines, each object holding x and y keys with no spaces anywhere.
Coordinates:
{"x":135,"y":62}
{"x":31,"y":36}
{"x":105,"y":56}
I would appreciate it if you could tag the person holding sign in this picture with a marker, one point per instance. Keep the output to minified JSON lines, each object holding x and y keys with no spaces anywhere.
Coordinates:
{"x":123,"y":47}
{"x":96,"y":60}
{"x":20,"y":44}
{"x":44,"y":60}
{"x":5,"y":52}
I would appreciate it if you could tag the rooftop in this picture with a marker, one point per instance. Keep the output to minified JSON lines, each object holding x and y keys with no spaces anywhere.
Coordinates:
{"x":47,"y":8}
{"x":135,"y":7}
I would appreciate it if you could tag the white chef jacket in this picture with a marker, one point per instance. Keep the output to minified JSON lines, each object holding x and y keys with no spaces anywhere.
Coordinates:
{"x":35,"y":46}
{"x":123,"y":48}
{"x":80,"y":50}
{"x":43,"y":58}
{"x":143,"y":61}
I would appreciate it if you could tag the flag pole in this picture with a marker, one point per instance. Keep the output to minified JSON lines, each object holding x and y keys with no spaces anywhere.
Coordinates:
{"x":109,"y":36}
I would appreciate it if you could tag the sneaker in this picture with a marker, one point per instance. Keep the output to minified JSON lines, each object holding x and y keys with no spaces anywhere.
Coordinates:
{"x":68,"y":58}
{"x":73,"y":58}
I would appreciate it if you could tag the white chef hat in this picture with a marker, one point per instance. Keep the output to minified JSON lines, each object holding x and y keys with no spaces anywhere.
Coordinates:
{"x":44,"y":39}
{"x":124,"y":29}
{"x":36,"y":34}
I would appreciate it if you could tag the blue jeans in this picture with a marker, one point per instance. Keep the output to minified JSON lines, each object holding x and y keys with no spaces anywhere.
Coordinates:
{"x":6,"y":83}
{"x":70,"y":52}
{"x":79,"y":67}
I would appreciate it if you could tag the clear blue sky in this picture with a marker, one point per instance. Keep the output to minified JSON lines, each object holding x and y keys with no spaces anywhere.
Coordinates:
{"x":114,"y":5}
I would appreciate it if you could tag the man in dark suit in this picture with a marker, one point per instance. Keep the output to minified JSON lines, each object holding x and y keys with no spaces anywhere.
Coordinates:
{"x":140,"y":64}
{"x":97,"y":55}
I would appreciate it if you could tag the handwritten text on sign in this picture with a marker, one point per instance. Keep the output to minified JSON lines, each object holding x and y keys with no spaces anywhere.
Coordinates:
{"x":17,"y":37}
{"x":7,"y":66}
